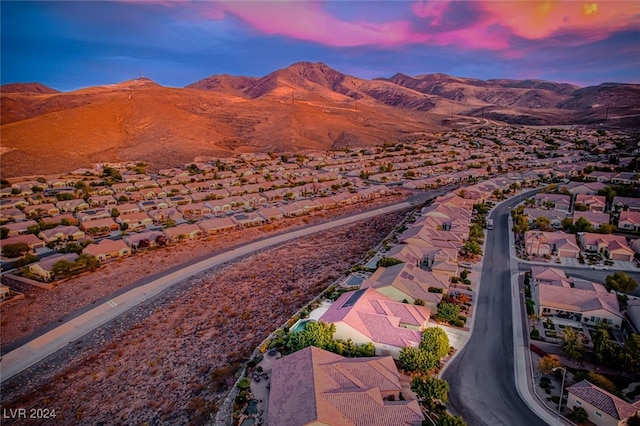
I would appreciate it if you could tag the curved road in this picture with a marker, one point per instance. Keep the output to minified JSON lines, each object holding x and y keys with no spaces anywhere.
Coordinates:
{"x":481,"y":375}
{"x":56,"y":339}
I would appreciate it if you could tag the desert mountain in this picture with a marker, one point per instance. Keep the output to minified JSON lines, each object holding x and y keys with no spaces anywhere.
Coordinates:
{"x":306,"y":106}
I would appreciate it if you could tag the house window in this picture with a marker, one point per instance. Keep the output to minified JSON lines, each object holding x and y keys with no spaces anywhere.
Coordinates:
{"x":593,"y":319}
{"x":598,"y":413}
{"x":578,"y":402}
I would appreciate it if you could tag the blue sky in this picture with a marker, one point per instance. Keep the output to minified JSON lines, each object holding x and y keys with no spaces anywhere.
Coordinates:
{"x":69,"y":45}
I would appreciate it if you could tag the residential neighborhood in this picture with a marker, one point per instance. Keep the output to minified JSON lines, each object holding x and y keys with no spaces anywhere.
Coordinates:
{"x":381,"y":316}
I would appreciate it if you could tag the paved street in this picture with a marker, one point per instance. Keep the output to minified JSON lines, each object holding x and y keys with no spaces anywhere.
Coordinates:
{"x":57,"y":338}
{"x":481,"y":376}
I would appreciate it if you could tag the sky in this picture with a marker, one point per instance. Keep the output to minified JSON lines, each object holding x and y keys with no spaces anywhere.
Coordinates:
{"x":72,"y":44}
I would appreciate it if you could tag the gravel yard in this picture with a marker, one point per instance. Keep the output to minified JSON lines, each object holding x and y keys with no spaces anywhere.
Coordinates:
{"x":168,"y":360}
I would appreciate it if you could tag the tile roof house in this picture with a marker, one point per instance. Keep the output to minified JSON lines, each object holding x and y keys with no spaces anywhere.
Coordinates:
{"x":62,"y":233}
{"x":629,"y":221}
{"x":539,"y":243}
{"x":316,"y":387}
{"x":560,"y":202}
{"x":555,"y":216}
{"x":29,"y":239}
{"x":595,"y":203}
{"x":555,"y":294}
{"x":595,"y":218}
{"x":625,"y":203}
{"x":614,"y":246}
{"x":211,"y":226}
{"x":603,"y":408}
{"x":44,"y":268}
{"x":406,"y":281}
{"x":186,"y":231}
{"x":108,"y":249}
{"x":367,"y":315}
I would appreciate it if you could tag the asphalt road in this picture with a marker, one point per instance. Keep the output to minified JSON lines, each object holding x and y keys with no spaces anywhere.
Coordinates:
{"x":481,"y":376}
{"x":57,"y":338}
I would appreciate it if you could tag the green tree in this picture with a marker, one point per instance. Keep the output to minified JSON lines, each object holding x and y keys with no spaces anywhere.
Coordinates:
{"x":315,"y":333}
{"x":430,"y":389}
{"x":582,"y":225}
{"x":472,"y":247}
{"x":579,"y":207}
{"x":476,"y":232}
{"x":543,"y":224}
{"x":435,"y":341}
{"x":87,"y":261}
{"x":447,"y":419}
{"x":572,"y":344}
{"x":631,"y":353}
{"x":620,"y":282}
{"x":448,"y":312}
{"x":603,"y":348}
{"x":579,"y":415}
{"x":14,"y":250}
{"x":606,"y":228}
{"x":567,"y":224}
{"x":27,"y":259}
{"x":388,"y":261}
{"x":415,"y":359}
{"x":62,"y":267}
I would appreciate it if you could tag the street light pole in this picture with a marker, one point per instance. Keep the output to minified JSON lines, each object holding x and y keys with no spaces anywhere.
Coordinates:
{"x":564,"y":373}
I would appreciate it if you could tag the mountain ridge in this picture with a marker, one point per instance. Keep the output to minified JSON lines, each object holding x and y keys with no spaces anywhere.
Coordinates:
{"x":306,"y":106}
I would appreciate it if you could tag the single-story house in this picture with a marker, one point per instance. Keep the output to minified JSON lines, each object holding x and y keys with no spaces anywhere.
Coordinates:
{"x":99,"y":226}
{"x":316,"y":387}
{"x":629,"y":221}
{"x":108,"y":249}
{"x":615,"y":246}
{"x":212,"y":226}
{"x":625,"y":203}
{"x":145,"y":239}
{"x":19,"y":228}
{"x":405,"y":281}
{"x":560,"y":202}
{"x":62,"y":233}
{"x":555,"y":294}
{"x":44,"y":268}
{"x":186,"y":231}
{"x":367,"y":315}
{"x":539,"y":243}
{"x":595,"y":203}
{"x":29,"y":239}
{"x":597,"y":219}
{"x":135,"y":220}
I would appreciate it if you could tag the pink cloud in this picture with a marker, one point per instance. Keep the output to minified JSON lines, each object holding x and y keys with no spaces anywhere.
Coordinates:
{"x":491,"y":24}
{"x":309,"y":21}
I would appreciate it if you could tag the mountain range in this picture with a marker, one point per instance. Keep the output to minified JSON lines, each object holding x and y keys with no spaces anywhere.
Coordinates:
{"x":306,"y":106}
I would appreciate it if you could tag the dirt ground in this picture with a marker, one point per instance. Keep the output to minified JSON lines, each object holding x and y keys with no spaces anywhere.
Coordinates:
{"x":42,"y":308}
{"x":168,"y":360}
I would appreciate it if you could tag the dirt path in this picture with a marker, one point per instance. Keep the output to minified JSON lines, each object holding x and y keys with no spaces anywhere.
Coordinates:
{"x":167,"y":360}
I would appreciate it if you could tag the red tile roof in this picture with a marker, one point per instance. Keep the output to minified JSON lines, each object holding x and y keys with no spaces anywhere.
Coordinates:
{"x":313,"y":385}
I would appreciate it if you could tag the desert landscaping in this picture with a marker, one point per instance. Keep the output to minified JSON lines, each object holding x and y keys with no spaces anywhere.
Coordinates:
{"x":171,"y":359}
